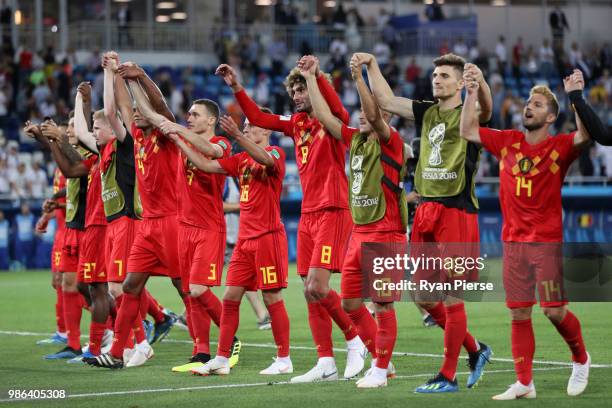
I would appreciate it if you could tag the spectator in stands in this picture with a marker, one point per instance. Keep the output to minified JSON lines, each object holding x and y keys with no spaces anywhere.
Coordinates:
{"x":434,"y":11}
{"x":261,"y":93}
{"x":558,"y":25}
{"x":501,"y":55}
{"x":474,"y":53}
{"x":351,"y":33}
{"x":277,"y":51}
{"x":44,"y":245}
{"x":460,"y":48}
{"x":38,"y":181}
{"x":413,"y":71}
{"x":338,"y":47}
{"x":12,"y":155}
{"x":531,"y":64}
{"x":546,"y":57}
{"x":124,"y":18}
{"x":5,"y":185}
{"x":5,"y":231}
{"x":517,"y":56}
{"x":576,"y":60}
{"x":391,"y":72}
{"x":24,"y":236}
{"x":6,"y":17}
{"x":20,"y":180}
{"x":382,"y":52}
{"x":444,"y":48}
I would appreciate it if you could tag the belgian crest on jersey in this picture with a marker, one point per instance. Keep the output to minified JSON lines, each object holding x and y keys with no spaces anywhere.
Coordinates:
{"x":525,"y":165}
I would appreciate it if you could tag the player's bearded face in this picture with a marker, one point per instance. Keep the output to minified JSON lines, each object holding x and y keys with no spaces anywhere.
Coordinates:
{"x":72,"y":138}
{"x":536,"y":113}
{"x":364,"y":125}
{"x":301,"y":98}
{"x":446,"y":82}
{"x":141,"y":122}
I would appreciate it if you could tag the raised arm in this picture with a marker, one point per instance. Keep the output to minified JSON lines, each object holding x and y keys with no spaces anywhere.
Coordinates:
{"x":382,"y":91}
{"x":258,"y":153}
{"x":575,"y":84}
{"x":319,"y":106}
{"x":144,"y":106}
{"x":198,"y":160}
{"x":210,"y":150}
{"x":34,"y":131}
{"x":472,"y":72}
{"x":67,"y":158}
{"x":80,"y":122}
{"x":368,"y":104}
{"x":255,"y":115}
{"x":469,"y":126}
{"x":109,"y":62}
{"x":326,"y":88}
{"x":131,"y":71}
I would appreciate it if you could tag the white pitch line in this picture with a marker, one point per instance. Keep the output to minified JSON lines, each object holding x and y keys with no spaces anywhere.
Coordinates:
{"x":339,"y":350}
{"x":268,"y":383}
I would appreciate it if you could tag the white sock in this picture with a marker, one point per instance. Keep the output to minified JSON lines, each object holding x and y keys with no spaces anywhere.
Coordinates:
{"x":62,"y":335}
{"x":284,"y":360}
{"x":326,"y":361}
{"x":353,"y":343}
{"x":222,"y":360}
{"x":379,"y":373}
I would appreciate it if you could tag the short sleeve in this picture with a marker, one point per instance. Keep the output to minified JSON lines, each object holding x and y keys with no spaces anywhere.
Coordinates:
{"x":495,"y":140}
{"x":348,"y":133}
{"x":418,"y":110}
{"x":565,"y":146}
{"x":279,"y":158}
{"x":225,"y":145}
{"x":230,"y":164}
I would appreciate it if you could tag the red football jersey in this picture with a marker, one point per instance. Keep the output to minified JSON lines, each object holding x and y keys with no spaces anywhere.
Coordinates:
{"x":319,"y":156}
{"x":201,"y":194}
{"x":59,"y":182}
{"x":260,"y":191}
{"x":393,"y":148}
{"x":531,"y":177}
{"x":157,"y":158}
{"x":94,"y":212}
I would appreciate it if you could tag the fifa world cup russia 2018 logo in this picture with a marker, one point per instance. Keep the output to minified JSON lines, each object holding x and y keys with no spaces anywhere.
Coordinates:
{"x":436,"y":137}
{"x":356,"y":164}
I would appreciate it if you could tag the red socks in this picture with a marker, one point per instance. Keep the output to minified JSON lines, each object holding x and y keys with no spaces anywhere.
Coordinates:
{"x":200,"y":320}
{"x":366,"y":328}
{"x":569,"y":329}
{"x":523,"y":348}
{"x":230,"y":317}
{"x":333,"y":305}
{"x":438,"y":313}
{"x":59,"y":310}
{"x":385,"y":337}
{"x":280,"y":327}
{"x":154,"y":308}
{"x":321,"y":329}
{"x":128,"y":314}
{"x":72,"y":315}
{"x":96,"y":332}
{"x":454,"y":333}
{"x":212,"y":305}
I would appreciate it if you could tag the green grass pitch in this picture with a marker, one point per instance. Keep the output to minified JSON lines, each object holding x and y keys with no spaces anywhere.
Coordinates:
{"x":26,"y":302}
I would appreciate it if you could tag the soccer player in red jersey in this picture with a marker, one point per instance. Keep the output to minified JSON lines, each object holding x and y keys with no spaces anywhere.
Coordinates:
{"x":201,"y":224}
{"x":55,"y":207}
{"x":325,"y":220}
{"x":448,"y":212}
{"x":154,"y":250}
{"x":375,"y":148}
{"x":260,"y":258}
{"x":532,"y":166}
{"x":64,"y":148}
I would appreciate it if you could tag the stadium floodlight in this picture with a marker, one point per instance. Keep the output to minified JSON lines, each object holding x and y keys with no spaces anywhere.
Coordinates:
{"x":329,"y":3}
{"x":166,"y":5}
{"x":264,"y":2}
{"x":179,"y":15}
{"x":162,"y":19}
{"x":498,"y":3}
{"x":122,"y":1}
